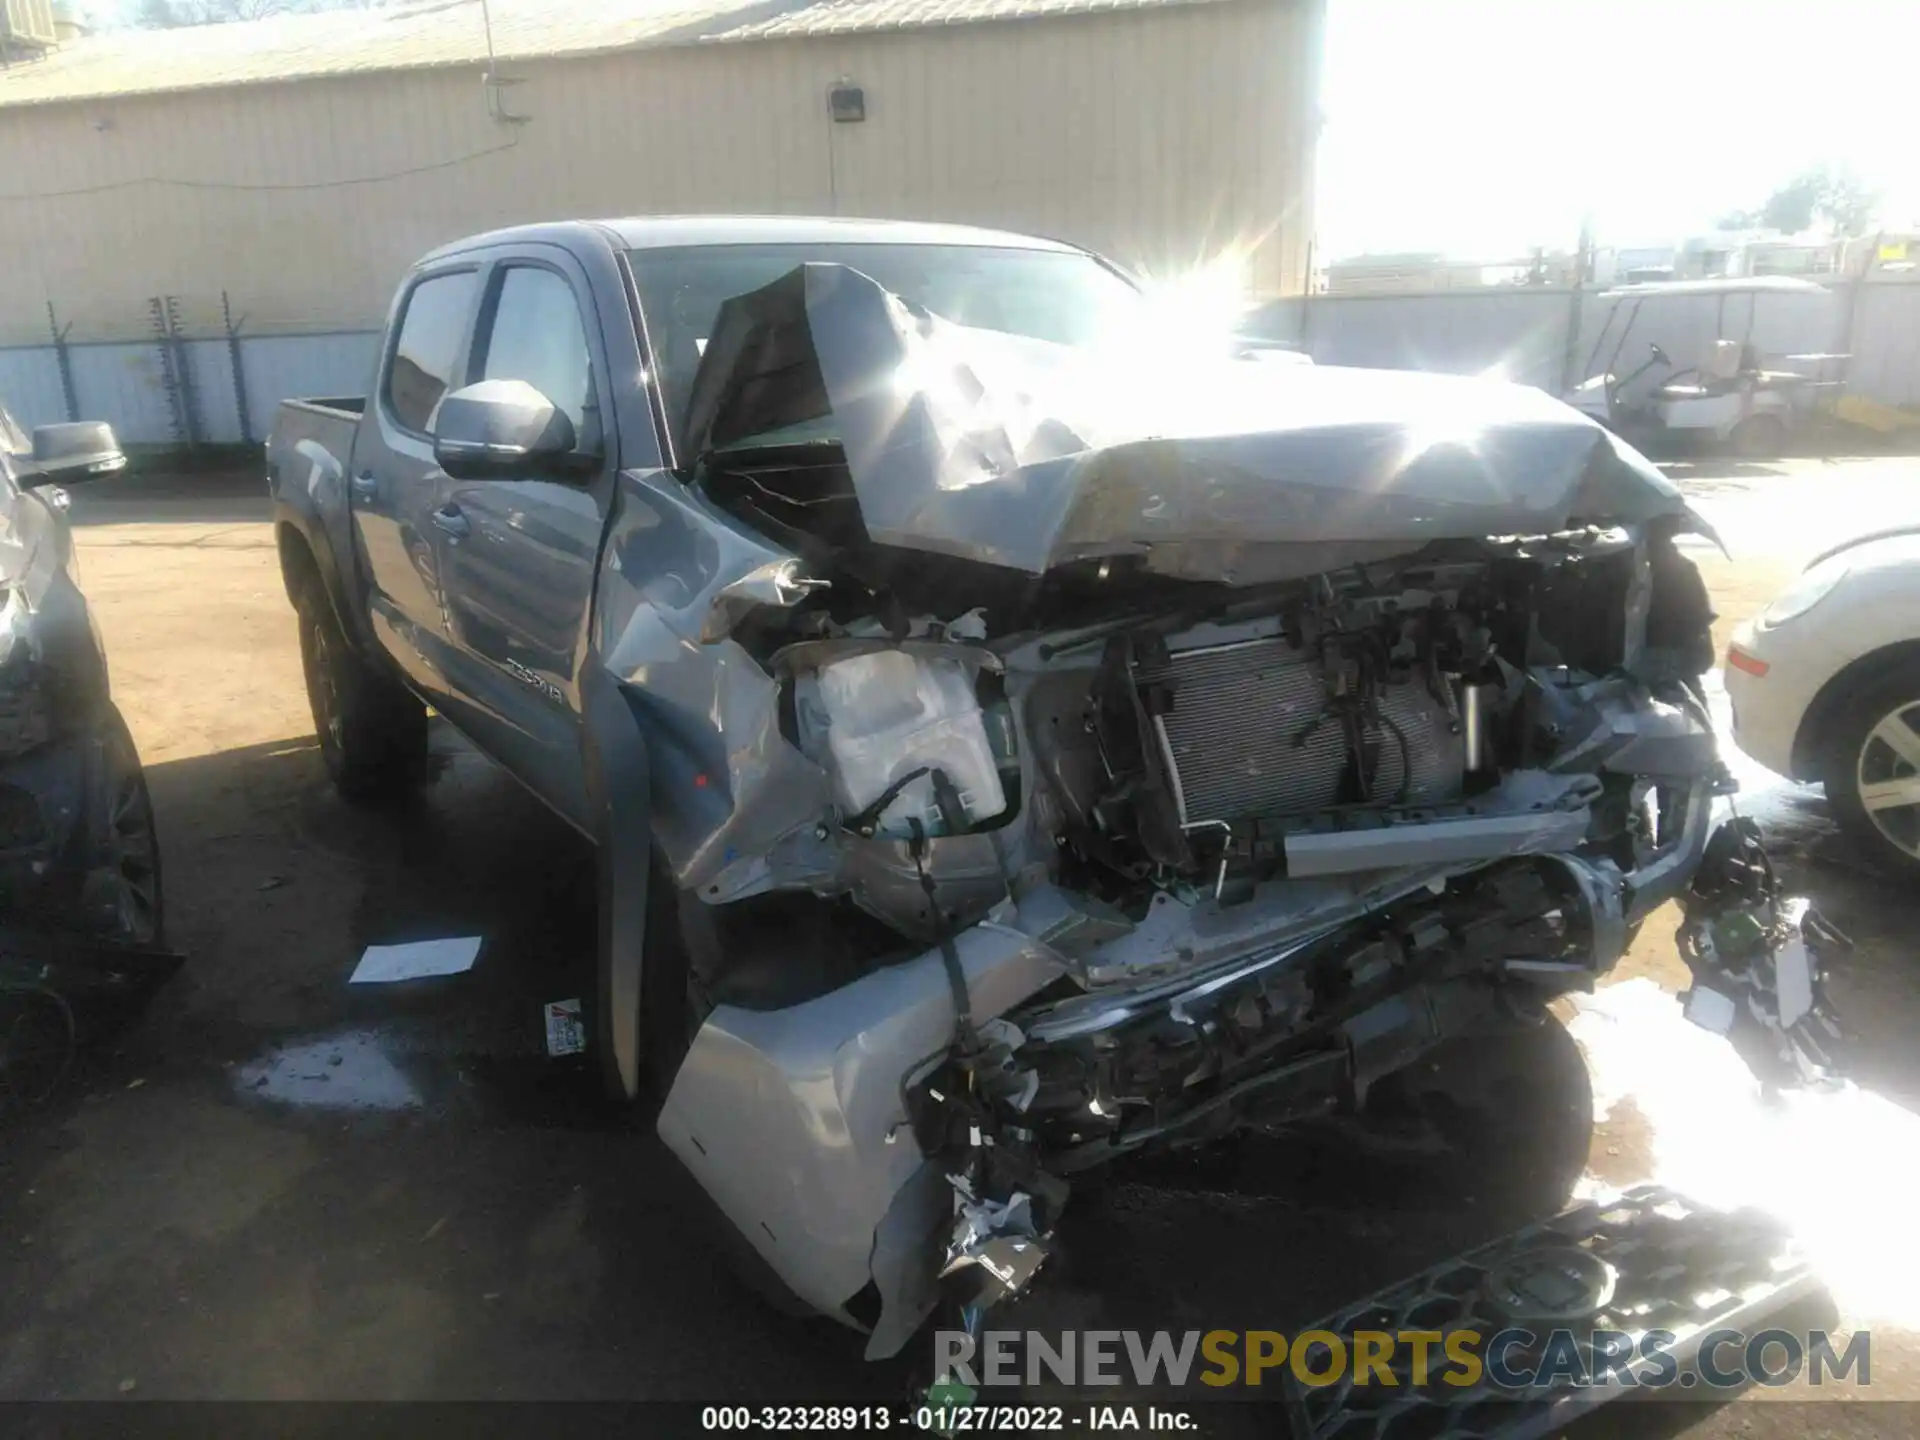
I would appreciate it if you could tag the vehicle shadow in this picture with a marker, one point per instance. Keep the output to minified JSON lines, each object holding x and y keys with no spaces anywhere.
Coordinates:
{"x":395,"y":1182}
{"x":275,"y":887}
{"x":1274,"y":1231}
{"x":1873,"y":985}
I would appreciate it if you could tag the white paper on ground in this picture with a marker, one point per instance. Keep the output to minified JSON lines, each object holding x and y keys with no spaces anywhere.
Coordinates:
{"x":565,"y":1034}
{"x":416,"y":960}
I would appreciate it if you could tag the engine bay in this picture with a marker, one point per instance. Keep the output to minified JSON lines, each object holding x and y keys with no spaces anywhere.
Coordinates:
{"x":1204,"y":745}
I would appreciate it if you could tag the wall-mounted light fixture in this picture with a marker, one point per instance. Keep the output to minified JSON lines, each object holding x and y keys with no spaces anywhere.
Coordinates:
{"x":495,"y":83}
{"x":846,"y":102}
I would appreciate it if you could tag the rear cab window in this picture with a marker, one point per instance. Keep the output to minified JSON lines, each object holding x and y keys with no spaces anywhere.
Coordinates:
{"x":427,"y":349}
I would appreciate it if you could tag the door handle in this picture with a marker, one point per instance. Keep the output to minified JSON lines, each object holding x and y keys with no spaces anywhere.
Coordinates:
{"x":449,"y":521}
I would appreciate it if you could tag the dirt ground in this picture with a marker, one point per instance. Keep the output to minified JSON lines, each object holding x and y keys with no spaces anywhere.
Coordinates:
{"x":276,"y":1186}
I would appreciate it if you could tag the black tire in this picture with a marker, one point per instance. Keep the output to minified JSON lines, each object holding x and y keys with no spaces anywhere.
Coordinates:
{"x":1856,"y":752}
{"x":372,"y":731}
{"x":120,"y":897}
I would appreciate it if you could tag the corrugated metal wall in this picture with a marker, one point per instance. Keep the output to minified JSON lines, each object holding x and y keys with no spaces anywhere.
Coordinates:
{"x":1886,"y":345}
{"x":1523,"y":333}
{"x":1159,"y":136}
{"x":123,"y":383}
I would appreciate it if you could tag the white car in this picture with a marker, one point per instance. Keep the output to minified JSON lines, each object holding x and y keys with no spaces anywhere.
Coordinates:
{"x":1825,"y":686}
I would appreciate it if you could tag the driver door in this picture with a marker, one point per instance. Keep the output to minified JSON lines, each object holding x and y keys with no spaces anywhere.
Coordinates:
{"x":520,"y":552}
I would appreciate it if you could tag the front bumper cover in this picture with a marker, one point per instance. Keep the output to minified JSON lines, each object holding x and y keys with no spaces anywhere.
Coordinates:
{"x":816,"y":1093}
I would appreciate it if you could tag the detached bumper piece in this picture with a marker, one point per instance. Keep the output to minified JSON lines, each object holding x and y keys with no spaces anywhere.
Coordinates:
{"x":1757,"y":959}
{"x":1591,"y":1287}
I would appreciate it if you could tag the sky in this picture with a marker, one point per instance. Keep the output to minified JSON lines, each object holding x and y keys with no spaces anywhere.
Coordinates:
{"x":1483,"y":127}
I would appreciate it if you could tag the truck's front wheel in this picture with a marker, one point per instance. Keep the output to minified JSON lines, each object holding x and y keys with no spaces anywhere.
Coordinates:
{"x":373,"y":734}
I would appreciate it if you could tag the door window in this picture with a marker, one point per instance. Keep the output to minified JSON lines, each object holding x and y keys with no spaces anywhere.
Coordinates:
{"x":428,"y":350}
{"x":537,"y":336}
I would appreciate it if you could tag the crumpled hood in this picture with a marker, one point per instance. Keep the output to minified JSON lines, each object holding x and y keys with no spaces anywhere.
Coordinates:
{"x":1019,"y":453}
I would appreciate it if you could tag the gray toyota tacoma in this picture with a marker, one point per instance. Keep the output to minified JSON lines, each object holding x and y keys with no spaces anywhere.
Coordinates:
{"x":1014,"y":734}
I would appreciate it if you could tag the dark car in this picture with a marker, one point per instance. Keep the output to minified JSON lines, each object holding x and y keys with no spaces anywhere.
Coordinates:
{"x":77,"y":847}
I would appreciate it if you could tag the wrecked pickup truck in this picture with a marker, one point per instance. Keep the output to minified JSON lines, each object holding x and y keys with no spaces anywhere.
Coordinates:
{"x":1015,"y":733}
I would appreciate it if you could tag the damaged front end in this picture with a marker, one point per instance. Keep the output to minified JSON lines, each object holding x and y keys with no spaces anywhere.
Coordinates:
{"x":1058,"y":777}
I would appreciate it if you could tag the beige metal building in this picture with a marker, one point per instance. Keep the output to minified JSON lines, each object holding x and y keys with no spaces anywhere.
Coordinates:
{"x":298,"y":164}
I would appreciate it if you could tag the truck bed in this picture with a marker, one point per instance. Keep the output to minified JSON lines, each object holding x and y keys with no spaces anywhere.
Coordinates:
{"x":310,"y":434}
{"x":308,"y":454}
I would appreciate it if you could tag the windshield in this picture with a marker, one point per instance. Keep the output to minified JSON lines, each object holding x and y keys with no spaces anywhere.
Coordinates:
{"x":1063,"y":297}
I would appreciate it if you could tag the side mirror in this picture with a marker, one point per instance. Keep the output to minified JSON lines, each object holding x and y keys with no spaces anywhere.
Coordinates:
{"x":68,"y":454}
{"x":504,"y":430}
{"x":1660,"y":357}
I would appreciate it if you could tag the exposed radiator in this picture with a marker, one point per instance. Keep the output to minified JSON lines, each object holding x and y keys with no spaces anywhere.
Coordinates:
{"x":1245,"y":742}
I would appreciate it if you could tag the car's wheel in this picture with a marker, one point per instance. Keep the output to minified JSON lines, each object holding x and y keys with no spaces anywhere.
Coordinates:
{"x":1872,"y":767}
{"x":1760,"y":437}
{"x":372,"y":732}
{"x":120,"y":897}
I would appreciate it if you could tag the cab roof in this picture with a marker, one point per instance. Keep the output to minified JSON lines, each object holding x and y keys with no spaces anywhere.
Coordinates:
{"x":658,"y":232}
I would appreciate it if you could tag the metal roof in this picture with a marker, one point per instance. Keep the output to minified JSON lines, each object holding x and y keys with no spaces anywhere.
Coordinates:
{"x":437,"y":33}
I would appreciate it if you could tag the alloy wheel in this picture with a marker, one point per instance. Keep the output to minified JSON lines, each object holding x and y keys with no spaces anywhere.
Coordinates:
{"x":133,"y":851}
{"x":326,"y":694}
{"x":1887,"y":776}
